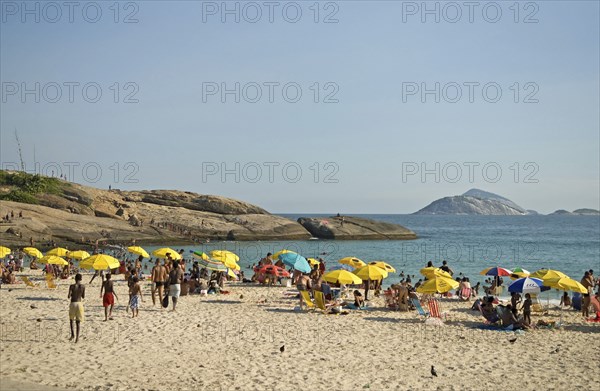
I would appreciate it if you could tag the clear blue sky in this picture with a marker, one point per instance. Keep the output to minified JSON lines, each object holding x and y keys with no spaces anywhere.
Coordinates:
{"x":174,"y":135}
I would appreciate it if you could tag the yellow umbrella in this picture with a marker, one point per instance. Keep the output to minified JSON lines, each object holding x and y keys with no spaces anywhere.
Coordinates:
{"x":162,"y":253}
{"x":544,"y":274}
{"x":227,"y":261}
{"x":386,"y":266}
{"x":137,"y":250}
{"x":33,"y":252}
{"x":313,"y":261}
{"x":58,"y":251}
{"x":432,"y":272}
{"x":224,"y":253}
{"x":100,"y":262}
{"x":80,"y":254}
{"x":278,"y":253}
{"x":53,"y":260}
{"x":351,"y":261}
{"x":565,"y":284}
{"x":438,"y":285}
{"x":342,"y":277}
{"x":4,"y":251}
{"x":371,"y":272}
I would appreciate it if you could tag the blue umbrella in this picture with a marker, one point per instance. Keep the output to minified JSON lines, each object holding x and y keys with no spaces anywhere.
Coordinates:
{"x":527,"y":285}
{"x":296,"y":261}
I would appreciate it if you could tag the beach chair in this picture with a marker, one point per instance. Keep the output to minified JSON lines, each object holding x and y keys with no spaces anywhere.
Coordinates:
{"x":434,"y":309}
{"x":50,"y":281}
{"x":307,"y":300}
{"x":320,"y":302}
{"x":465,"y":294}
{"x":28,"y":282}
{"x":536,"y":305}
{"x":419,"y":308}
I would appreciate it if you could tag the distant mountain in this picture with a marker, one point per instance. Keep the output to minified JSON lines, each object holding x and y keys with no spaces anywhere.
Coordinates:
{"x":473,"y":202}
{"x":532,"y":212}
{"x":576,"y":212}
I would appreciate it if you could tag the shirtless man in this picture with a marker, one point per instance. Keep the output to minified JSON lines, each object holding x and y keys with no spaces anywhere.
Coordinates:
{"x":159,"y":277}
{"x":108,"y":299}
{"x":175,"y":279}
{"x":76,"y":313}
{"x":588,"y":282}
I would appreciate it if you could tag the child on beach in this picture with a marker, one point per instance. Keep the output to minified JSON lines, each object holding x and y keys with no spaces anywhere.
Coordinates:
{"x":136,"y":297}
{"x":527,"y":309}
{"x":76,"y":312}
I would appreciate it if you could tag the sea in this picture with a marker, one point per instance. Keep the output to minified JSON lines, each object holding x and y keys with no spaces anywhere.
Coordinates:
{"x":469,"y":244}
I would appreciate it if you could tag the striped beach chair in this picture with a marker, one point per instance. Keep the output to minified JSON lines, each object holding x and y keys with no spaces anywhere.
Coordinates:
{"x":434,"y":309}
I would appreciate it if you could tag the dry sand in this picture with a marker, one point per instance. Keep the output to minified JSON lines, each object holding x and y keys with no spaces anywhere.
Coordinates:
{"x":232,"y":342}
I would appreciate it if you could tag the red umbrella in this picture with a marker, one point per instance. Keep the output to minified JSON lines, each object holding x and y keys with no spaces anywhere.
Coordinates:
{"x":495,"y":271}
{"x":272,"y":270}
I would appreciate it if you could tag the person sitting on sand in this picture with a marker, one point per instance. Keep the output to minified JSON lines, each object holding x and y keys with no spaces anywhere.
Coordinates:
{"x":527,"y":309}
{"x":359,"y":301}
{"x":108,"y":298}
{"x":488,"y":310}
{"x":136,"y":297}
{"x":33,"y":265}
{"x":76,"y":311}
{"x":202,"y":286}
{"x":565,"y":300}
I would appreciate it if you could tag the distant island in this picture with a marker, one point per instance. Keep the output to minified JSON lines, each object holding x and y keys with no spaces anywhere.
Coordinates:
{"x":47,"y":210}
{"x":480,"y":202}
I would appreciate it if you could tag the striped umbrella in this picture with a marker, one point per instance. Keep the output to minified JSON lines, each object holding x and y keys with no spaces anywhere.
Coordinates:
{"x":495,"y":271}
{"x":527,"y":285}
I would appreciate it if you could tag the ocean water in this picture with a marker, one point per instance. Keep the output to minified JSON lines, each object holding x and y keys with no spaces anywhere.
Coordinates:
{"x":469,"y":244}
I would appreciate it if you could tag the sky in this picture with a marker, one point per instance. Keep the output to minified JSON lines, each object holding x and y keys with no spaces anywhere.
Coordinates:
{"x":322,"y":107}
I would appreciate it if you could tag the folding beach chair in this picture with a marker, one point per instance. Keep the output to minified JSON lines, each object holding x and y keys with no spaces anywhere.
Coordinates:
{"x":307,"y":300}
{"x":320,"y":302}
{"x":434,"y":309}
{"x":536,"y":305}
{"x":419,"y":308}
{"x":465,"y":294}
{"x":50,"y":281}
{"x":28,"y":282}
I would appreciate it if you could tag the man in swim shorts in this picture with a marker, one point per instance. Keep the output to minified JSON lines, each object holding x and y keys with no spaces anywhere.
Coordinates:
{"x":175,"y":279}
{"x":108,"y":299}
{"x":159,"y":277}
{"x":76,"y":313}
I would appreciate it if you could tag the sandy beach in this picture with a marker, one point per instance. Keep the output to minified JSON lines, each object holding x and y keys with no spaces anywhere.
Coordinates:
{"x":232,"y":342}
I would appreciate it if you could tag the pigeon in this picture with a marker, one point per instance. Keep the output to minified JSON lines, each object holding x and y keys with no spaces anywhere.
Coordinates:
{"x":513,"y":340}
{"x":433,"y":372}
{"x":10,"y":290}
{"x":282,"y":348}
{"x":38,"y":319}
{"x":241,"y":296}
{"x":32,"y":307}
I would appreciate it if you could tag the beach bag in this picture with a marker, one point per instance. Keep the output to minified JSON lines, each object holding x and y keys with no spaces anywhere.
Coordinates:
{"x":165,"y":301}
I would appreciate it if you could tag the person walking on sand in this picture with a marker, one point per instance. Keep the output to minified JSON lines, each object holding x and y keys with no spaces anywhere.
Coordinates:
{"x":108,"y":299}
{"x":76,"y":312}
{"x":136,"y":297}
{"x":175,"y":279}
{"x":159,"y":278}
{"x":588,"y":282}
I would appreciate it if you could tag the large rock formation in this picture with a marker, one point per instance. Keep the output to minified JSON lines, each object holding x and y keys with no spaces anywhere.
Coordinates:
{"x":576,"y":212}
{"x":70,"y":213}
{"x":473,"y":202}
{"x":354,"y":228}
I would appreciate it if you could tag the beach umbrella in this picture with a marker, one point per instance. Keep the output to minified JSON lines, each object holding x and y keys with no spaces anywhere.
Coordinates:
{"x":519,"y":273}
{"x":313,"y":261}
{"x":545,"y":274}
{"x":342,"y":277}
{"x":80,"y":254}
{"x":162,"y":253}
{"x":296,"y":261}
{"x":527,"y":285}
{"x":495,"y":271}
{"x":224,"y":254}
{"x":371,"y":272}
{"x":137,"y":250}
{"x":432,"y":272}
{"x":565,"y":284}
{"x":272,"y":270}
{"x":212,"y":265}
{"x":200,"y":255}
{"x":33,"y":252}
{"x":100,"y":262}
{"x":58,"y":251}
{"x":438,"y":285}
{"x":386,"y":266}
{"x":352,"y":261}
{"x":4,"y":251}
{"x":341,"y":267}
{"x":284,"y":251}
{"x":226,"y":260}
{"x":52,"y":260}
